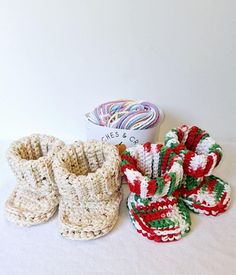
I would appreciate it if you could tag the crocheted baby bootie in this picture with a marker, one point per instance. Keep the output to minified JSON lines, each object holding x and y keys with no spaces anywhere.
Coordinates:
{"x":87,"y":174}
{"x":154,"y":173}
{"x":210,"y":197}
{"x":35,"y":197}
{"x":201,"y":191}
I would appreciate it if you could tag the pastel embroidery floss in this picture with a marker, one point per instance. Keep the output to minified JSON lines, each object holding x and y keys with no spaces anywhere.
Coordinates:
{"x":126,"y":114}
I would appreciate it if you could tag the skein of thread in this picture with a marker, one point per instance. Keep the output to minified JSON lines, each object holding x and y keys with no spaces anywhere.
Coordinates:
{"x":126,"y":114}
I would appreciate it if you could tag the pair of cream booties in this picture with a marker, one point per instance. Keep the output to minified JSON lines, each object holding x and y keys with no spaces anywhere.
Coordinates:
{"x":82,"y":178}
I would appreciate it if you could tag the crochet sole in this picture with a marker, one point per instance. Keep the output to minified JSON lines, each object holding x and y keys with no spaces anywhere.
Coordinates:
{"x":72,"y":233}
{"x":208,"y":211}
{"x":22,"y":218}
{"x":166,"y":237}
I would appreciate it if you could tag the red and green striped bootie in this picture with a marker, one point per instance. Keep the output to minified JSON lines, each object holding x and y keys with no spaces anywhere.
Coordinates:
{"x":154,"y":173}
{"x":202,"y":192}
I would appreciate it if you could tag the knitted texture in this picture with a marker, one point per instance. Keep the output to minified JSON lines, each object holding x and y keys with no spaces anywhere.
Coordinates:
{"x":154,"y":173}
{"x":200,"y":153}
{"x":211,"y":197}
{"x":162,"y":220}
{"x":35,"y":197}
{"x":87,"y":174}
{"x":152,"y":170}
{"x":203,"y":193}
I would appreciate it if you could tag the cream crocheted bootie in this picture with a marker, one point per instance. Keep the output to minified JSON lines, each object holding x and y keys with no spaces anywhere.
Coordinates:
{"x":87,"y":174}
{"x":35,"y":197}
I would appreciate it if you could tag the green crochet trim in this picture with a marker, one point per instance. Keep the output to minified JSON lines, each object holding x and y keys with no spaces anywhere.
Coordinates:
{"x":192,"y":200}
{"x":124,"y":162}
{"x":184,"y":211}
{"x":139,"y":200}
{"x":198,"y":132}
{"x":191,"y":182}
{"x":205,"y":185}
{"x":214,"y":148}
{"x":172,"y":154}
{"x":162,"y":152}
{"x":166,"y":222}
{"x":126,"y":153}
{"x":206,"y":135}
{"x":160,"y":185}
{"x":172,"y":184}
{"x":219,"y":190}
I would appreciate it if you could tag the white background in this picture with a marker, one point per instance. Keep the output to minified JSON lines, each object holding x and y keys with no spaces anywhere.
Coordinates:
{"x":60,"y":59}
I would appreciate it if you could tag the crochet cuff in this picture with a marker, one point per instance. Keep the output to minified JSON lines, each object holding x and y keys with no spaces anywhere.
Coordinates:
{"x":200,"y":153}
{"x":152,"y":170}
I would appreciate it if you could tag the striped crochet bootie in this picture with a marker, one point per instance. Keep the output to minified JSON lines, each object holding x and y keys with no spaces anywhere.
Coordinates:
{"x":35,"y":197}
{"x":202,"y":192}
{"x":87,"y":174}
{"x":154,"y":173}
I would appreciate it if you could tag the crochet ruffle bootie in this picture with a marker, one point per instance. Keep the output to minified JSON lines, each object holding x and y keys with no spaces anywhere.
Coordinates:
{"x":202,"y":192}
{"x":87,"y":174}
{"x":35,"y":197}
{"x":154,"y":173}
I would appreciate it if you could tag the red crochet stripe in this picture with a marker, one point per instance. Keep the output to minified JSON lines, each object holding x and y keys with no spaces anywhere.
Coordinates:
{"x":185,"y":192}
{"x":219,"y":207}
{"x":171,"y":162}
{"x":165,"y":160}
{"x":187,"y":158}
{"x":152,"y":235}
{"x":209,"y":164}
{"x":130,"y":159}
{"x":161,"y":214}
{"x":200,"y":172}
{"x":154,"y":205}
{"x":191,"y":137}
{"x":166,"y":178}
{"x":157,"y":238}
{"x":128,"y":166}
{"x":135,"y":187}
{"x":218,"y":156}
{"x":180,"y":135}
{"x":197,"y":139}
{"x":152,"y":187}
{"x":147,"y":147}
{"x":178,"y":148}
{"x":211,"y":184}
{"x":142,"y":225}
{"x":158,"y":148}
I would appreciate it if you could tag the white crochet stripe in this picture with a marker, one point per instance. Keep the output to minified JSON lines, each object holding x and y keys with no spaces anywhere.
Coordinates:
{"x":186,"y":131}
{"x":170,"y":142}
{"x":228,"y":192}
{"x":144,"y":187}
{"x":204,"y":197}
{"x":177,"y":168}
{"x":141,"y":157}
{"x":133,"y":175}
{"x":171,"y":134}
{"x":133,"y":152}
{"x":204,"y":145}
{"x":155,"y":163}
{"x":166,"y":188}
{"x":198,"y":161}
{"x":148,"y":163}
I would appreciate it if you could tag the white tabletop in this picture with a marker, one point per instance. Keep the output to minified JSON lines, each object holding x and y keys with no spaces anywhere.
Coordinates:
{"x":209,"y":248}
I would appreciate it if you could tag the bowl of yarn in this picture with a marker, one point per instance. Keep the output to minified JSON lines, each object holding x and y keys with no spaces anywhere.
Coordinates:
{"x":124,"y":123}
